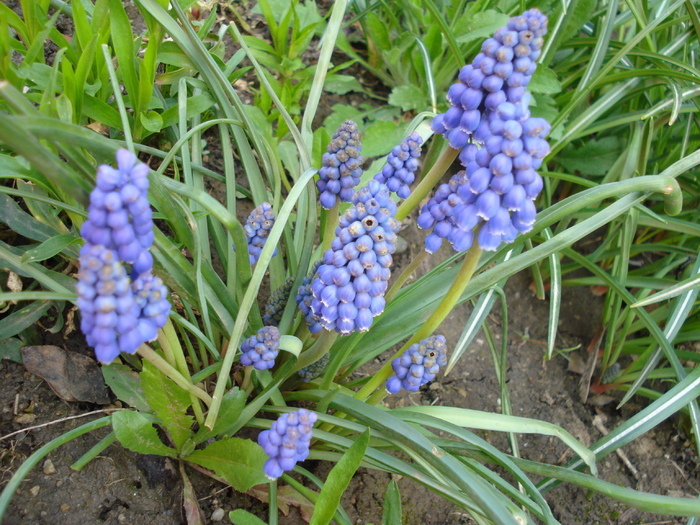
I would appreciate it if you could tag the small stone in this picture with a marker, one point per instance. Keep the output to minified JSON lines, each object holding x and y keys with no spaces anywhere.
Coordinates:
{"x":49,"y":467}
{"x":217,"y":515}
{"x":65,"y":507}
{"x":121,"y":518}
{"x":25,"y":419}
{"x":34,"y":491}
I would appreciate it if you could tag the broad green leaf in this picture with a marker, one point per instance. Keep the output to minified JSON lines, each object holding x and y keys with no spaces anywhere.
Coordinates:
{"x":243,"y":517}
{"x":408,"y":98}
{"x":594,"y":157}
{"x":380,"y":138}
{"x":151,"y":121}
{"x":126,"y":385}
{"x":135,"y":432}
{"x":239,"y":461}
{"x":338,"y":480}
{"x":477,"y":26}
{"x":342,"y":84}
{"x":169,"y":402}
{"x":377,"y":31}
{"x":392,"y":514}
{"x":49,"y":248}
{"x":22,"y":319}
{"x":231,"y":407}
{"x":544,"y":81}
{"x":9,"y":349}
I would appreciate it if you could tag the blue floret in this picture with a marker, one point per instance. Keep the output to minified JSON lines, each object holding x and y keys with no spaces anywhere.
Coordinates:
{"x":418,"y":365}
{"x":341,"y":166}
{"x":287,"y":441}
{"x":261,"y":349}
{"x":257,"y":229}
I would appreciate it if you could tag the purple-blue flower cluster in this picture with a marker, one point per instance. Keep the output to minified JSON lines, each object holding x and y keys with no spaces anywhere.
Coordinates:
{"x":401,"y":164}
{"x":275,"y":305}
{"x":261,"y":349}
{"x":418,"y":365}
{"x":501,"y":144}
{"x":119,"y":310}
{"x":350,"y":286}
{"x":257,"y":229}
{"x":287,"y":441}
{"x":341,"y":166}
{"x":305,"y":297}
{"x":311,"y":372}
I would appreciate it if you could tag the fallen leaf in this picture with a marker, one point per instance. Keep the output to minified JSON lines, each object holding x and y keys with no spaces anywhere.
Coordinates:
{"x":73,"y":377}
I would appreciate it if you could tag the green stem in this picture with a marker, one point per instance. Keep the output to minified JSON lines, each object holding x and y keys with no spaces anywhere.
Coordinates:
{"x":40,"y":454}
{"x":404,"y":276}
{"x":146,"y":352}
{"x":272,"y":488}
{"x":318,"y":350}
{"x":438,"y":316}
{"x":332,"y":220}
{"x":94,"y":451}
{"x":442,"y":164}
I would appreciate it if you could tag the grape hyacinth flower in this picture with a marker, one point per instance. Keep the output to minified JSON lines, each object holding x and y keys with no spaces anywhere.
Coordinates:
{"x":349,"y":289}
{"x":401,"y":164}
{"x":418,"y":365}
{"x":275,"y":305}
{"x":109,"y":313}
{"x":257,"y":229}
{"x":304,"y":298}
{"x":341,"y":166}
{"x":495,"y":193}
{"x":287,"y":441}
{"x":261,"y":349}
{"x":119,"y":215}
{"x":120,"y":310}
{"x":311,"y":372}
{"x":499,"y":73}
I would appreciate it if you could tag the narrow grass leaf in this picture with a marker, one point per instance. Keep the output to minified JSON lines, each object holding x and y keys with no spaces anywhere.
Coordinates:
{"x":338,"y":480}
{"x":392,"y":513}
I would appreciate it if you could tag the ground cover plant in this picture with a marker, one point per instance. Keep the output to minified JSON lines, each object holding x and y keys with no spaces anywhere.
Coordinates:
{"x":582,"y":111}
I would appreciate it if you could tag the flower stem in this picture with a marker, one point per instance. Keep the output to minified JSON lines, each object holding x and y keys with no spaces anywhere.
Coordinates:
{"x":318,"y":350}
{"x":404,"y":276}
{"x":332,"y":220}
{"x":146,"y":352}
{"x":438,"y":316}
{"x":442,"y":164}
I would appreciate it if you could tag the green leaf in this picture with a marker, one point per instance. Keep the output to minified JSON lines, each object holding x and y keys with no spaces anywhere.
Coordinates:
{"x":239,"y":461}
{"x":21,"y":222}
{"x":338,"y":480}
{"x":135,"y":432}
{"x":392,"y":513}
{"x":377,"y":31}
{"x":477,"y":26}
{"x":151,"y":121}
{"x":408,"y":98}
{"x":545,"y":81}
{"x":126,"y":385}
{"x":49,"y":248}
{"x":342,"y":84}
{"x":231,"y":406}
{"x":380,"y":138}
{"x":9,"y":349}
{"x":594,"y":157}
{"x":169,"y":402}
{"x":243,"y":517}
{"x":22,"y":319}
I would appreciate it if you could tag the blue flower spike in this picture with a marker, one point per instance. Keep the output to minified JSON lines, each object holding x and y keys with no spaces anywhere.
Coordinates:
{"x":501,"y":144}
{"x":341,"y":166}
{"x":261,"y":349}
{"x":287,"y":441}
{"x":401,"y":164}
{"x":257,"y":229}
{"x":348,"y":290}
{"x":418,"y":365}
{"x":120,"y":310}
